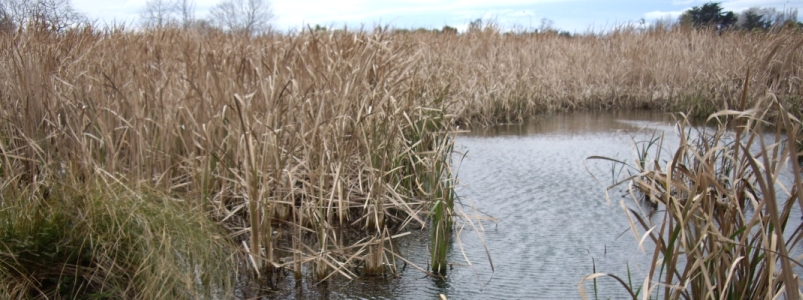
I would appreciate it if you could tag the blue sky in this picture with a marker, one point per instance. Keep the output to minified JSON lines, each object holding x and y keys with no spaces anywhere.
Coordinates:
{"x":571,"y":15}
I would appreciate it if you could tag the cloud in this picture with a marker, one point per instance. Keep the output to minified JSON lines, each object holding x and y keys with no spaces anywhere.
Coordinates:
{"x":656,"y":15}
{"x":521,"y":13}
{"x":363,"y":7}
{"x":741,"y":5}
{"x":294,"y":13}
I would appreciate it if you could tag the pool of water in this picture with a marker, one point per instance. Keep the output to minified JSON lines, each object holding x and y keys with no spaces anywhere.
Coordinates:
{"x":553,"y":223}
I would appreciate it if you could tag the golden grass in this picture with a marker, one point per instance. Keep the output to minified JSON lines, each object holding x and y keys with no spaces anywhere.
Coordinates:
{"x":722,"y":226}
{"x":308,"y":147}
{"x":508,"y":78}
{"x":289,"y":142}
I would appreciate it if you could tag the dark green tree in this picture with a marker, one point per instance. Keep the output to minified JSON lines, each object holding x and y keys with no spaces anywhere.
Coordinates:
{"x":475,"y":25}
{"x":753,"y":20}
{"x":708,"y":15}
{"x":449,"y":30}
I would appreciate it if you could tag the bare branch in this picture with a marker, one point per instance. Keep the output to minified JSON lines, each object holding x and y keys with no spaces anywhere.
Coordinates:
{"x":186,"y":11}
{"x":56,"y":15}
{"x":245,"y":16}
{"x":158,"y":13}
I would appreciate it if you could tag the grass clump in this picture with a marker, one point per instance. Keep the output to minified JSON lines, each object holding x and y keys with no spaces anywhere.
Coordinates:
{"x":723,"y":225}
{"x":310,"y":150}
{"x":105,"y":242}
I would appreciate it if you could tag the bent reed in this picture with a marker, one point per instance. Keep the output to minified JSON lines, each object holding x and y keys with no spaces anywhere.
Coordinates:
{"x":307,"y":152}
{"x":721,"y":208}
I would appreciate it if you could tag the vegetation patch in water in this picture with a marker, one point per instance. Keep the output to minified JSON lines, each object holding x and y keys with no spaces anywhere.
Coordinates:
{"x":722,"y":225}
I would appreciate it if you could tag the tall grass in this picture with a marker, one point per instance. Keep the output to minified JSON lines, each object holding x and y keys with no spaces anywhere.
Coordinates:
{"x":302,"y":145}
{"x":313,"y":149}
{"x":511,"y":77}
{"x":723,"y":225}
{"x":69,"y":240}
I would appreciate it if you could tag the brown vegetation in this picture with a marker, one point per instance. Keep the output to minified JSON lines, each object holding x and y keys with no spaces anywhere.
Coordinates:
{"x":508,"y":78}
{"x":312,"y":148}
{"x":725,"y":199}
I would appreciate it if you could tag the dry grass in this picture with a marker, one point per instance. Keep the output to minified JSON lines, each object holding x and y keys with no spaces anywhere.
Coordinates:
{"x":723,"y":225}
{"x":301,"y":144}
{"x":68,"y":240}
{"x":312,"y":149}
{"x":508,"y":78}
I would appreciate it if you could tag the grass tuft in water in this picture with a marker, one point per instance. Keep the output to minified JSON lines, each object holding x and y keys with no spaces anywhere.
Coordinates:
{"x":722,"y":228}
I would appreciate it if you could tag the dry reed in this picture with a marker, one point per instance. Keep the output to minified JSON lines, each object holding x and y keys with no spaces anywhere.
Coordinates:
{"x":511,"y":77}
{"x":724,"y":199}
{"x":308,"y":147}
{"x":301,"y":144}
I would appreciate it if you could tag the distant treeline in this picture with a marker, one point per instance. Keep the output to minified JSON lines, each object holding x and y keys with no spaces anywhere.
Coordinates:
{"x":712,"y":15}
{"x":709,"y":16}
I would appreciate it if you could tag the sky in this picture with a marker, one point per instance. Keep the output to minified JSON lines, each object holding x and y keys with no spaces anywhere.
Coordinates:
{"x":571,"y":15}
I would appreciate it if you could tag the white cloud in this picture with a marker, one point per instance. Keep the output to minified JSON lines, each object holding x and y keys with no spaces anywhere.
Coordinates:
{"x":521,"y":13}
{"x":741,"y":5}
{"x":293,"y":13}
{"x":656,"y":15}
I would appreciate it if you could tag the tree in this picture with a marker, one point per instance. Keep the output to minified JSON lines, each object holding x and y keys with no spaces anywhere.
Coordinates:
{"x":786,"y":18}
{"x":449,"y":30}
{"x":158,"y":13}
{"x":242,"y":16}
{"x":475,"y":25}
{"x":755,"y":18}
{"x":708,"y":15}
{"x":55,"y":15}
{"x":5,"y":21}
{"x":764,"y":18}
{"x":186,"y":11}
{"x":547,"y":25}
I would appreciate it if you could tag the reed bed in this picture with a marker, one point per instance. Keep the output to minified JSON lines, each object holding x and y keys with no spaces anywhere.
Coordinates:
{"x":305,"y":148}
{"x":503,"y":78}
{"x":722,"y":225}
{"x":304,"y":152}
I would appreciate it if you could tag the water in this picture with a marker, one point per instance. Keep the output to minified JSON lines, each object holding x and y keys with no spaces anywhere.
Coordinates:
{"x":553,"y":214}
{"x":554,"y":225}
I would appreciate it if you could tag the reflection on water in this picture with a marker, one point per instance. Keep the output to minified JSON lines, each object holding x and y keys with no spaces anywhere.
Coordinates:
{"x":555,"y":225}
{"x":577,"y":123}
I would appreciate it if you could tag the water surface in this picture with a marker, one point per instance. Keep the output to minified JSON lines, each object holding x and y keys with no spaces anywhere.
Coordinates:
{"x":554,"y":222}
